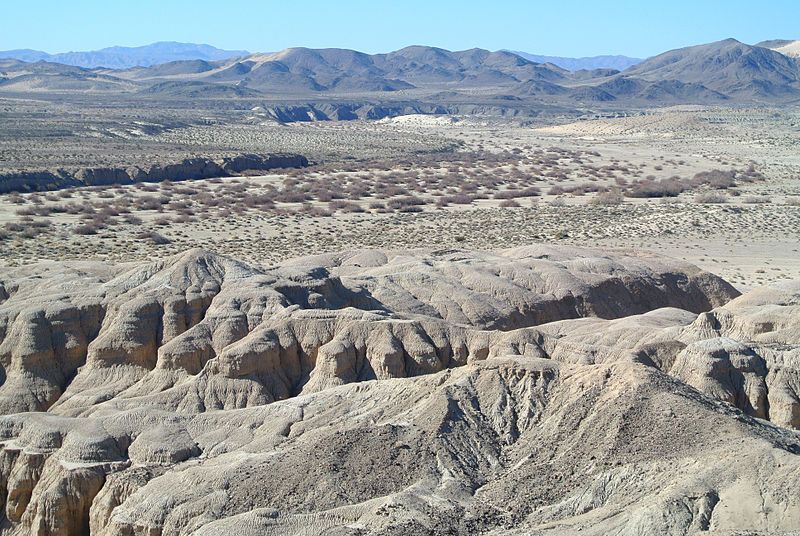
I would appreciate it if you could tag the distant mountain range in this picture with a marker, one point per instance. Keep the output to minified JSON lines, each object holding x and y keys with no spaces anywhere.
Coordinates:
{"x":724,"y":71}
{"x":127,"y":57}
{"x":164,"y":52}
{"x":619,"y":63}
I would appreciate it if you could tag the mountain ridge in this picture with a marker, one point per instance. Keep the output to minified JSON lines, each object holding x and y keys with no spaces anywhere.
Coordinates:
{"x":728,"y":66}
{"x":726,"y":70}
{"x":120,"y":57}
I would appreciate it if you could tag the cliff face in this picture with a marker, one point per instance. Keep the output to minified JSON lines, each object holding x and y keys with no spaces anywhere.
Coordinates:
{"x":189,"y":169}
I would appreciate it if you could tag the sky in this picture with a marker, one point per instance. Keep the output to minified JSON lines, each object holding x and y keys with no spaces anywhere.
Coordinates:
{"x":557,"y":27}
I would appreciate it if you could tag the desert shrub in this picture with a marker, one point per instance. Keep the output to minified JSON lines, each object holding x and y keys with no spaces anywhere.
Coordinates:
{"x":715,"y":178}
{"x":405,"y":202}
{"x":33,"y":211}
{"x":531,"y":191}
{"x":375,"y":205}
{"x":177,"y":205}
{"x":108,"y":212}
{"x":346,"y":206}
{"x":153,"y":237}
{"x":324,"y":196}
{"x":757,"y":199}
{"x":751,"y":174}
{"x":352,"y":207}
{"x":410,"y":208}
{"x":292,"y":197}
{"x":189,"y":191}
{"x":710,"y":198}
{"x":31,"y":231}
{"x":649,"y":187}
{"x":261,"y":201}
{"x":151,"y":202}
{"x":208,"y":200}
{"x":87,"y":229}
{"x":461,"y":199}
{"x":556,"y":190}
{"x":509,"y":203}
{"x":133,"y":220}
{"x":611,"y":197}
{"x":145,"y":187}
{"x":315,"y":211}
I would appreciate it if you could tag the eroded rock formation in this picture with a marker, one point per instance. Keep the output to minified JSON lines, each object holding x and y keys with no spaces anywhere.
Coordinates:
{"x":188,"y":169}
{"x":544,"y":389}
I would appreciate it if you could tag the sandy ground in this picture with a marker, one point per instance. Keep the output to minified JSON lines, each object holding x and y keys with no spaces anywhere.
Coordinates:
{"x":752,"y":238}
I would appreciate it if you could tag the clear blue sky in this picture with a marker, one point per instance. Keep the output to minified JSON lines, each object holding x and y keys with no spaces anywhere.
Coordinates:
{"x":556,"y":27}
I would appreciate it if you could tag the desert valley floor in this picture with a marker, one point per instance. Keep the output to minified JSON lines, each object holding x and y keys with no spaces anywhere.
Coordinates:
{"x":447,"y":182}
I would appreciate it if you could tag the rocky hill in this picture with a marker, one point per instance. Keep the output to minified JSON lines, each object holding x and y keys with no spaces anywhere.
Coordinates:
{"x":541,"y":389}
{"x":728,"y":67}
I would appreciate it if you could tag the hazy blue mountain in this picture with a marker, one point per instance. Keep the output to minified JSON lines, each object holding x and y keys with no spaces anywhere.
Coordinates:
{"x":126,"y":57}
{"x":25,"y":54}
{"x":620,"y":63}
